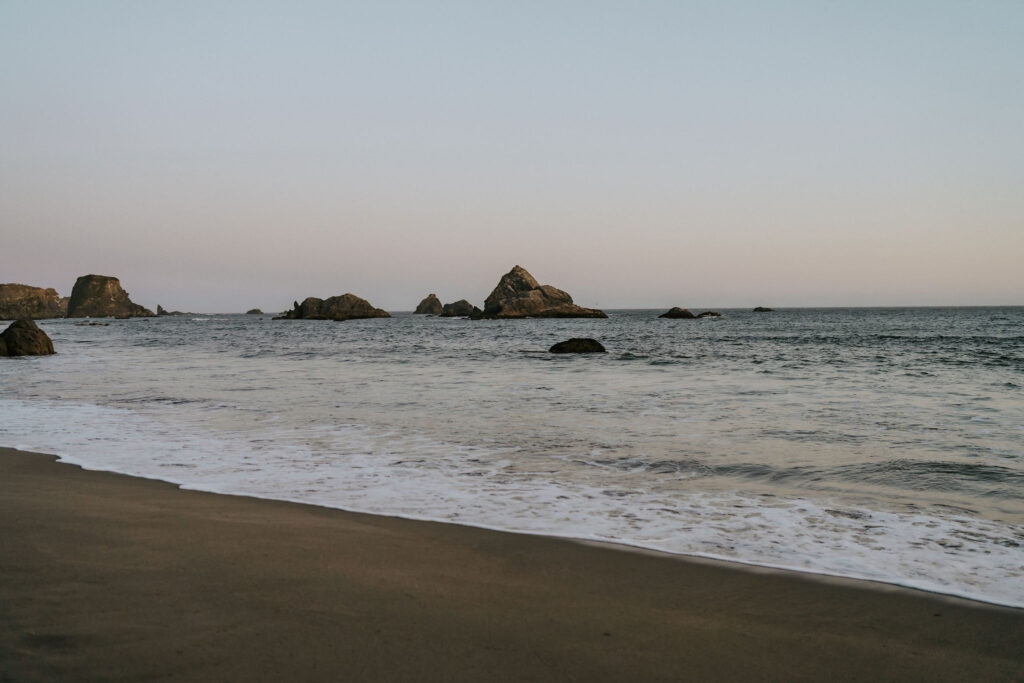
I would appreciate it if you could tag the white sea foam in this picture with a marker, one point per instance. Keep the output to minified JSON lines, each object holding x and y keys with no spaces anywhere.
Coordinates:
{"x":370,"y":470}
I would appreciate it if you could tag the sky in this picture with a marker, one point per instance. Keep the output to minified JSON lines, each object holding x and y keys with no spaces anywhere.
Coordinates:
{"x":219,"y":156}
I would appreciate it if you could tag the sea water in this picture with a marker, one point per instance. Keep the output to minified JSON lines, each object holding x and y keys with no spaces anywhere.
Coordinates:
{"x":882,"y":444}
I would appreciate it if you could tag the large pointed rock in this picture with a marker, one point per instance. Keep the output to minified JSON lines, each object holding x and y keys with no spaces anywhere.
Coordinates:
{"x":24,"y":338}
{"x":431,"y":305}
{"x":101,"y":296}
{"x":344,"y":307}
{"x":22,"y":302}
{"x":518,"y":295}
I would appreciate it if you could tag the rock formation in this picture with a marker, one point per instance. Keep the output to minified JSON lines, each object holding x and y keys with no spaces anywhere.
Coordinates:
{"x":676,"y":312}
{"x":160,"y":311}
{"x":344,"y":307}
{"x":19,"y":302}
{"x":254,"y":311}
{"x":100,"y":296}
{"x":430,"y":306}
{"x":764,"y":309}
{"x":709,"y":314}
{"x":577,"y":345}
{"x":519,"y":296}
{"x":24,"y":338}
{"x":460,"y":308}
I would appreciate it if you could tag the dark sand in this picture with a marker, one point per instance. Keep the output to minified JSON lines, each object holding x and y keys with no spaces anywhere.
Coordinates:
{"x":107,"y":577}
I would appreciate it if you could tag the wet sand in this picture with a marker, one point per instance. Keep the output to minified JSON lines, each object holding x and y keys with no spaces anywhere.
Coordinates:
{"x":108,"y":577}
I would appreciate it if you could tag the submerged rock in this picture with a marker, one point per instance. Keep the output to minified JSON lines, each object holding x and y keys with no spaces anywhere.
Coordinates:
{"x":23,"y":302}
{"x":518,"y":295}
{"x":577,"y":345}
{"x":429,"y":306}
{"x":709,"y":314}
{"x":101,"y":296}
{"x":676,"y":312}
{"x":344,"y":307}
{"x":764,"y":309}
{"x":24,"y":338}
{"x":459,"y":309}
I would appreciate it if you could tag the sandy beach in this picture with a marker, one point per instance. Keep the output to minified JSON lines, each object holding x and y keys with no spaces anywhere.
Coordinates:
{"x":109,"y":577}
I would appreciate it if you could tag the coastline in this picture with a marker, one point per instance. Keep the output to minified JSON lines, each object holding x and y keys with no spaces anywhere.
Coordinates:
{"x":105,"y":575}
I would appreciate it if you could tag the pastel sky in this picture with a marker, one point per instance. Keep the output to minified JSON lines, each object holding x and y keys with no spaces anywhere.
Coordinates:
{"x":218,"y":156}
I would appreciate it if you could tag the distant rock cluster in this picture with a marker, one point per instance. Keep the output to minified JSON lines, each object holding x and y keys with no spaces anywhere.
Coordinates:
{"x":96,"y":296}
{"x":517,"y":295}
{"x":431,"y":305}
{"x":344,"y":307}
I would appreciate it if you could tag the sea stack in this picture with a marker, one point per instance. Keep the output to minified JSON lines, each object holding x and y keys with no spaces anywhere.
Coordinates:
{"x":23,"y":302}
{"x":344,"y":307}
{"x":254,"y":311}
{"x":24,"y":338}
{"x":429,"y":306}
{"x":518,"y":295}
{"x":101,"y":296}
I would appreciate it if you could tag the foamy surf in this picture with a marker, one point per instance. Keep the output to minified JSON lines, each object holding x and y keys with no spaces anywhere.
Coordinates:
{"x":364,"y":469}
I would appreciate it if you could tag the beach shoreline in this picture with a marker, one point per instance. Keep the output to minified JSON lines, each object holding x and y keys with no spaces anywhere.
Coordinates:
{"x":108,"y":576}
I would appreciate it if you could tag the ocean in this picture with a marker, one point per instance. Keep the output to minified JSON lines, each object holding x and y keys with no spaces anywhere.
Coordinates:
{"x":881,"y":443}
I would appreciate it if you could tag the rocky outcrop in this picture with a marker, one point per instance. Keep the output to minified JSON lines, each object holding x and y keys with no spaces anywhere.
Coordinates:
{"x":764,"y":309}
{"x":22,"y":302}
{"x":460,"y":308}
{"x":344,"y":307}
{"x":161,"y":312}
{"x":577,"y":345}
{"x":429,"y":306}
{"x":24,"y":338}
{"x":709,"y":314}
{"x":676,"y":312}
{"x":518,"y":295}
{"x":254,"y":311}
{"x":101,"y":296}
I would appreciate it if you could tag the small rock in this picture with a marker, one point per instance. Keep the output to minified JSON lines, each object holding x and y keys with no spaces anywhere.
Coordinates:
{"x":676,"y":312}
{"x":577,"y":345}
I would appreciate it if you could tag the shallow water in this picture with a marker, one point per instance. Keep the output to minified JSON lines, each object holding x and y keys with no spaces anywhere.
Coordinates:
{"x":885,"y":444}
